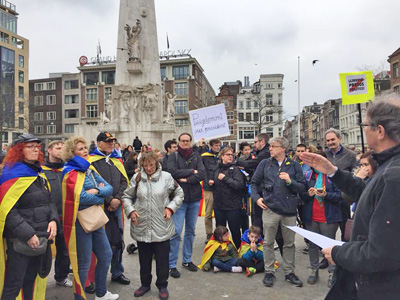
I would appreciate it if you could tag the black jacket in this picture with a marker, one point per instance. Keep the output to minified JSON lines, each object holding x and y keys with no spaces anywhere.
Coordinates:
{"x":229,"y":191}
{"x":181,"y":168}
{"x":211,"y":162}
{"x":281,"y":198}
{"x":373,"y":253}
{"x":130,"y":166}
{"x":137,"y":144}
{"x":250,"y":165}
{"x":32,"y":212}
{"x":55,"y":178}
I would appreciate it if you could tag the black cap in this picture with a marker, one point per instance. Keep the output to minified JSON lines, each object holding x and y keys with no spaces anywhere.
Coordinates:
{"x":26,"y":138}
{"x":105,"y":137}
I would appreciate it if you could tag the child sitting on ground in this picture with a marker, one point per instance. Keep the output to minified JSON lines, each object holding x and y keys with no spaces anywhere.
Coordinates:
{"x":251,"y":251}
{"x":220,"y":252}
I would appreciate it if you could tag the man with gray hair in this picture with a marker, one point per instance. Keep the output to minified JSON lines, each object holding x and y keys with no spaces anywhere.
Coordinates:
{"x":274,"y":188}
{"x":371,"y":258}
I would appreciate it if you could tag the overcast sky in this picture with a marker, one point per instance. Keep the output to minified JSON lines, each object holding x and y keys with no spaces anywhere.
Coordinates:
{"x":229,"y":38}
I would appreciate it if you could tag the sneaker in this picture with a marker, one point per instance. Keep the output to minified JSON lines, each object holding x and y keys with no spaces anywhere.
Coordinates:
{"x":216,"y":269}
{"x":141,"y":291}
{"x":250,"y":271}
{"x":293,"y":279}
{"x":330,"y":282}
{"x":108,"y":296}
{"x":190,"y":266}
{"x":269,"y":279}
{"x":66,"y":282}
{"x":173,"y":272}
{"x":306,"y":249}
{"x":163,"y":294}
{"x":236,"y":270}
{"x":314,"y":276}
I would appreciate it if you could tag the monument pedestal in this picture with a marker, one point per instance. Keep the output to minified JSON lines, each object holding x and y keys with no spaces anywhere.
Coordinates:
{"x":134,"y":67}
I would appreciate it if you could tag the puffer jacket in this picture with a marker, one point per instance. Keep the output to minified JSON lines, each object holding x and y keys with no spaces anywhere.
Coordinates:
{"x":153,"y":196}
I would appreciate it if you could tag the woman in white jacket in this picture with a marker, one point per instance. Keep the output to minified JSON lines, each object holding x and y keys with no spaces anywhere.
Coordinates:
{"x":149,"y":201}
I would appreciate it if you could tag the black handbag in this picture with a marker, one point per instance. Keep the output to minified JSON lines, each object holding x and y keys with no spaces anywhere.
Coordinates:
{"x":23,"y":248}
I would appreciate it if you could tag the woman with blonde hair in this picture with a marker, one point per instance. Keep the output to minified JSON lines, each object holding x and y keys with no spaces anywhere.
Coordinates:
{"x":83,"y":188}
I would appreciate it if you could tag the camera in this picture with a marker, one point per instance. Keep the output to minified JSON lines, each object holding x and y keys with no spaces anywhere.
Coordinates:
{"x":269,"y":188}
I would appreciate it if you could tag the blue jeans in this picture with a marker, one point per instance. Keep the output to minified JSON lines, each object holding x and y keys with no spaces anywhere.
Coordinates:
{"x":187,"y":213}
{"x":97,"y":242}
{"x":225,"y":266}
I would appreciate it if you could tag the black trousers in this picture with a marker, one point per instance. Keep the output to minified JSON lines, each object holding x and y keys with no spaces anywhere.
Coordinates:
{"x":161,"y":252}
{"x":21,"y":271}
{"x":233,"y":218}
{"x":61,"y":264}
{"x":244,"y":263}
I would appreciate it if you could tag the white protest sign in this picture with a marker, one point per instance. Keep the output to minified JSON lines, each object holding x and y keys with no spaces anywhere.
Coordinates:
{"x":209,"y":122}
{"x":317,"y":239}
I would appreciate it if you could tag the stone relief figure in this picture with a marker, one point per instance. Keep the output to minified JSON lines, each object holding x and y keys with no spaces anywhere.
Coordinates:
{"x":170,"y":98}
{"x":126,"y":105}
{"x":136,"y":103}
{"x":133,"y":40}
{"x":108,"y":105}
{"x":149,"y":106}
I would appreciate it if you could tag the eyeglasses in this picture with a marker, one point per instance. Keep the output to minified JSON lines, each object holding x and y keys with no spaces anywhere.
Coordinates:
{"x":31,"y":147}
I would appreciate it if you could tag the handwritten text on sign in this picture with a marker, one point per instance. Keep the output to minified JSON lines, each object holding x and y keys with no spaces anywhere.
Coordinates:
{"x":356,"y":84}
{"x":357,"y":87}
{"x":209,"y":122}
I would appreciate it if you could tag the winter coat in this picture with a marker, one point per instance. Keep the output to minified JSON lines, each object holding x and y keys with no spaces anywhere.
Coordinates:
{"x":153,"y":195}
{"x":280,"y":197}
{"x":180,"y":168}
{"x":373,"y":253}
{"x":250,"y":165}
{"x":54,"y":177}
{"x":211,"y":162}
{"x":137,"y":145}
{"x":130,"y":166}
{"x":229,"y":191}
{"x":332,"y":200}
{"x":33,"y":211}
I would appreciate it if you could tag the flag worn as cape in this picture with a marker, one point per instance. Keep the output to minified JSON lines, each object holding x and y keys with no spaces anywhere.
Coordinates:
{"x":14,"y":181}
{"x":210,"y":248}
{"x":72,"y":184}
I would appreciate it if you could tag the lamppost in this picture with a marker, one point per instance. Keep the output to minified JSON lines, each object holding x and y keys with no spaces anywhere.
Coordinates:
{"x":298,"y":99}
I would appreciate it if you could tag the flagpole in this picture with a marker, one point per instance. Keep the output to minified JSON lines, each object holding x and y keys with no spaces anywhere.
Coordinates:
{"x":298,"y":98}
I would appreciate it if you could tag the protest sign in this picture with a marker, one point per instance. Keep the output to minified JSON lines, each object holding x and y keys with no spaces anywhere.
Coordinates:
{"x":209,"y":122}
{"x":357,"y":87}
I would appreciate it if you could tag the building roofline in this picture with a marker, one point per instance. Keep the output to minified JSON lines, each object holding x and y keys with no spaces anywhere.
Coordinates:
{"x":394,"y":53}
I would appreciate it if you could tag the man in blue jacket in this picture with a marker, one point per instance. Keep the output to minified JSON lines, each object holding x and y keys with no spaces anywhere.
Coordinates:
{"x":275,"y":186}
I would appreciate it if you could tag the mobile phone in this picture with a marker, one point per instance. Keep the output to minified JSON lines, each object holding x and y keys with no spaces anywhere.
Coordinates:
{"x":320,"y":190}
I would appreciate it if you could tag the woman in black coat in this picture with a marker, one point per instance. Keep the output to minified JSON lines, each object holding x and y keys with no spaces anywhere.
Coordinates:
{"x":229,"y":187}
{"x":131,"y":164}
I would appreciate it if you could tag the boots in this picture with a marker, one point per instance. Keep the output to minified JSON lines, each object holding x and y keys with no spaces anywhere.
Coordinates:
{"x":313,"y":278}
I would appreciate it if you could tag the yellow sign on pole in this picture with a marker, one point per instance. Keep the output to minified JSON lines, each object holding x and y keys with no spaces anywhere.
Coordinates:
{"x":357,"y":87}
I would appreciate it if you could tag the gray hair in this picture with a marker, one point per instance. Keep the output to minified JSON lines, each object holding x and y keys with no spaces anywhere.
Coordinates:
{"x":284,"y":143}
{"x":386,"y":112}
{"x":335,"y":131}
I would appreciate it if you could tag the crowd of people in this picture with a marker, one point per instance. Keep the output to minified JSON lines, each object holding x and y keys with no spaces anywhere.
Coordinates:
{"x":74,"y":200}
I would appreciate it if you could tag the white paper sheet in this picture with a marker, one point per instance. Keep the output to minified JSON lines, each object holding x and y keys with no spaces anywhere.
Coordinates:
{"x":318,"y":239}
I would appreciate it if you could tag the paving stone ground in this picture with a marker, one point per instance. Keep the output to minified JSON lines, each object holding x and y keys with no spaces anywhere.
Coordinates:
{"x":208,"y":285}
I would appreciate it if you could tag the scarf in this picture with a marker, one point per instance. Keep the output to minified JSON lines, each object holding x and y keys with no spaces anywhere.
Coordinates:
{"x":319,"y":184}
{"x":185,"y":152}
{"x":114,"y":154}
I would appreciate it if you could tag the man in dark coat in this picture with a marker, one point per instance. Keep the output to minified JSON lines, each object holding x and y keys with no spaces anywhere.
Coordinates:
{"x":372,"y":256}
{"x":186,"y":166}
{"x":137,"y":144}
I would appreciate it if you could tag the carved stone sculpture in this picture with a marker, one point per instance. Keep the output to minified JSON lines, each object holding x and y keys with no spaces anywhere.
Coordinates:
{"x":133,"y":40}
{"x":170,"y":98}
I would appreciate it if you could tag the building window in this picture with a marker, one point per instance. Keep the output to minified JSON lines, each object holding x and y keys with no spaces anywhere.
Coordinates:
{"x":231,"y":129}
{"x":91,"y":123}
{"x":71,"y":99}
{"x":163,"y":72}
{"x":50,"y":85}
{"x":269,"y":86}
{"x":91,"y":78}
{"x":269,"y":99}
{"x":229,"y":115}
{"x":39,"y":129}
{"x":38,"y":100}
{"x":241,"y":116}
{"x":181,"y":122}
{"x":91,"y":111}
{"x":69,"y":128}
{"x":248,"y":117}
{"x":17,"y":42}
{"x":21,"y":76}
{"x":279,"y":99}
{"x":51,"y":129}
{"x":51,"y":115}
{"x":21,"y":62}
{"x":91,"y":94}
{"x":248,"y":104}
{"x":21,"y":123}
{"x":38,"y":86}
{"x":396,"y":70}
{"x":4,"y":37}
{"x":107,"y":93}
{"x":51,"y":100}
{"x":21,"y":106}
{"x":255,"y":117}
{"x":269,"y":118}
{"x":71,"y":113}
{"x":180,"y":72}
{"x":21,"y":92}
{"x":279,"y":85}
{"x":181,"y":89}
{"x":71,"y":84}
{"x":108,"y":77}
{"x":38,"y":116}
{"x":181,"y":106}
{"x":255,"y":103}
{"x":241,"y":104}
{"x":247,"y":133}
